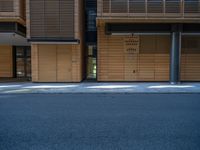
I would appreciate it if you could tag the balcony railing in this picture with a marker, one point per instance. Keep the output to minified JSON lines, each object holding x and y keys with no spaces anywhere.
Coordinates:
{"x":149,"y":8}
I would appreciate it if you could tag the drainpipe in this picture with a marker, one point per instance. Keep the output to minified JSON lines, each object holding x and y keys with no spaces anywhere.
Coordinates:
{"x":175,"y":54}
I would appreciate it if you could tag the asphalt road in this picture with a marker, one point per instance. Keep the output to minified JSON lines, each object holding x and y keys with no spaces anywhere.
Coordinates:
{"x":100,"y":122}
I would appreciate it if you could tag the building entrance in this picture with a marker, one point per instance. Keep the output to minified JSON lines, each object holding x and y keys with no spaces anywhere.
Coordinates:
{"x":22,"y":60}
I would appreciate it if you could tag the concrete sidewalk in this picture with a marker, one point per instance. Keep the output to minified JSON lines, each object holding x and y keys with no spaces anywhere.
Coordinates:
{"x":95,"y":87}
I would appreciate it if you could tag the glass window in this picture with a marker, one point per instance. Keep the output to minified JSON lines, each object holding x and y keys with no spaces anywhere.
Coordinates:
{"x":91,"y":62}
{"x":23,"y":62}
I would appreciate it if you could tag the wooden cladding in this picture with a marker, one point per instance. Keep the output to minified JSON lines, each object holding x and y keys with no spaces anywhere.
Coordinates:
{"x":137,"y":58}
{"x":6,"y":61}
{"x":190,"y":58}
{"x":52,"y":18}
{"x":6,"y":6}
{"x":56,"y":63}
{"x":12,"y":10}
{"x":144,"y":57}
{"x":149,"y":8}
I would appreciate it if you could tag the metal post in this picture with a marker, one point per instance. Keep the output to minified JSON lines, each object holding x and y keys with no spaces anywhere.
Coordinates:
{"x":175,"y":57}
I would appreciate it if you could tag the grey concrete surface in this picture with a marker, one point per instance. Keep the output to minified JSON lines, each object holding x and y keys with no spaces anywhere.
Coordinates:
{"x":96,"y":87}
{"x":100,"y":122}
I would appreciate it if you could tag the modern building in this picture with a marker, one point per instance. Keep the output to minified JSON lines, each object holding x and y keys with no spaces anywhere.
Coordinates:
{"x":102,"y":40}
{"x":55,"y":29}
{"x":148,"y":40}
{"x":15,"y":58}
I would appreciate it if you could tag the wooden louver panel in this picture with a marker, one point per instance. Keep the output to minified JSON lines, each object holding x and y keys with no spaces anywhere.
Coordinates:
{"x":66,"y":18}
{"x":192,"y":6}
{"x":136,"y":6}
{"x":155,"y":6}
{"x":6,"y":64}
{"x":190,"y":62}
{"x":106,"y":4}
{"x":118,"y":5}
{"x":133,"y":58}
{"x":173,"y":7}
{"x":150,"y":8}
{"x":52,"y":18}
{"x":6,"y":6}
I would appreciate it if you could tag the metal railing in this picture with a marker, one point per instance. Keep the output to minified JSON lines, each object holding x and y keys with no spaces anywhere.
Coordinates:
{"x":149,"y":8}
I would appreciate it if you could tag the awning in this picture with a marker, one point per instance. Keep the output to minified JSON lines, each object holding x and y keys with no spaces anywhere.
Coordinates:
{"x":150,"y":28}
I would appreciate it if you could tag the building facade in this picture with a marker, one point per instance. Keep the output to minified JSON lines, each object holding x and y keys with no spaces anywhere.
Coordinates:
{"x":55,"y":30}
{"x":148,"y":40}
{"x":14,"y":48}
{"x":102,"y":40}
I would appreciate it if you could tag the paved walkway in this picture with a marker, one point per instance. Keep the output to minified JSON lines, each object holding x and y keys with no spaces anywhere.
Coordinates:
{"x":92,"y":87}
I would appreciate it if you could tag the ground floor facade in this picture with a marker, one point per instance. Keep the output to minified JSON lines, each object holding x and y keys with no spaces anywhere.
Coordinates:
{"x":42,"y":62}
{"x":57,"y":63}
{"x":146,"y":55}
{"x":115,"y":57}
{"x":15,"y":61}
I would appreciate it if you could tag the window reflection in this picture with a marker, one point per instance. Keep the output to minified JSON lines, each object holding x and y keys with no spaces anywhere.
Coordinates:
{"x":23,"y":62}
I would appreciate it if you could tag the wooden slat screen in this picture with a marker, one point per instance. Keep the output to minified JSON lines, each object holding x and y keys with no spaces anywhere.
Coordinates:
{"x":137,"y":6}
{"x":166,"y":8}
{"x":106,"y":6}
{"x":6,"y":6}
{"x":155,"y":6}
{"x":173,"y":7}
{"x":117,"y":5}
{"x":52,"y":18}
{"x":192,"y":6}
{"x":190,"y":62}
{"x":123,"y":58}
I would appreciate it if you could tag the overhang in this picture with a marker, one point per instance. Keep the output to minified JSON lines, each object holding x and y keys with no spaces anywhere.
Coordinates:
{"x":54,"y":40}
{"x":12,"y":33}
{"x":150,"y":28}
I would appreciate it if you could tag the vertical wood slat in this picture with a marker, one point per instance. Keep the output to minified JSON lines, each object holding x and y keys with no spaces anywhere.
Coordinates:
{"x":47,"y":63}
{"x":6,"y":5}
{"x":190,"y":62}
{"x":56,"y":63}
{"x":13,"y":10}
{"x":147,"y":8}
{"x":64,"y":63}
{"x":6,"y":61}
{"x":52,"y":18}
{"x":34,"y":63}
{"x":150,"y":63}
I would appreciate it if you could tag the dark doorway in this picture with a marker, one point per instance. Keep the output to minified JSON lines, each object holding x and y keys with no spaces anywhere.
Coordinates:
{"x":22,"y":59}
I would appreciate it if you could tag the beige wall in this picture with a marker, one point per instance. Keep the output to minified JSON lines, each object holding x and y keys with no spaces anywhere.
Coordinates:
{"x":6,"y":61}
{"x":56,"y":63}
{"x":190,"y":60}
{"x":150,"y":62}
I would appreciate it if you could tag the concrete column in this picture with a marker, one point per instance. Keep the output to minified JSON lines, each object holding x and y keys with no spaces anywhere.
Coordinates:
{"x":175,"y":57}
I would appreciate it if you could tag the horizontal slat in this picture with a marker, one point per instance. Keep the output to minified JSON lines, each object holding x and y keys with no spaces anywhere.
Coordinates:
{"x":52,"y":18}
{"x":149,"y":8}
{"x":6,"y":5}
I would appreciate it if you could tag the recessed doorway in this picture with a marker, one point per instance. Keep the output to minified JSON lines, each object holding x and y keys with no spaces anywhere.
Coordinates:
{"x":22,"y":62}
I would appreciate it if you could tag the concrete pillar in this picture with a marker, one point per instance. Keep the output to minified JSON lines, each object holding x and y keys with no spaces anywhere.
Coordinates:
{"x":175,"y":57}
